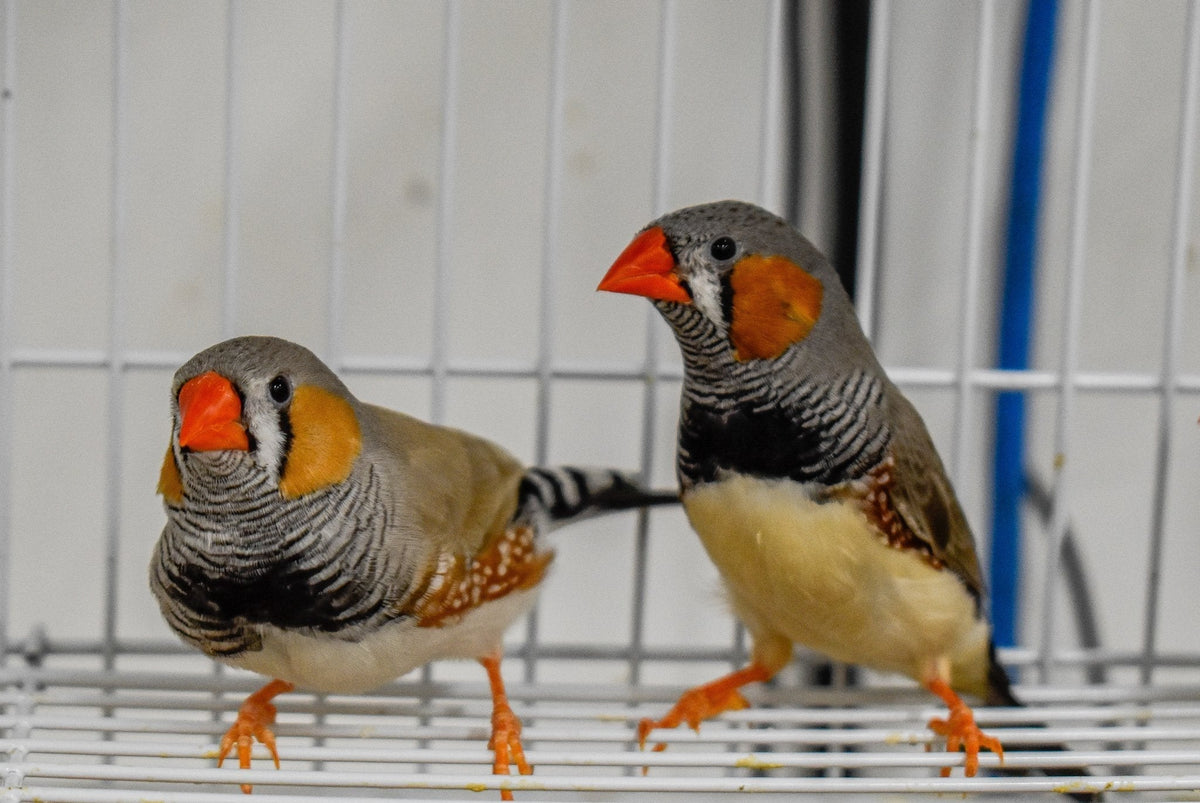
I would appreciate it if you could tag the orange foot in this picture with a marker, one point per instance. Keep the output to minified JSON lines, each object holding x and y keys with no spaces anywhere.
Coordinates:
{"x":254,"y":721}
{"x":704,"y":702}
{"x":506,"y":727}
{"x":960,"y":729}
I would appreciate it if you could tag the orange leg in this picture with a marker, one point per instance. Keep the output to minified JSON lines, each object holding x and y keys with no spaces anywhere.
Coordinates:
{"x":506,"y":728}
{"x":254,"y":721}
{"x":704,"y":702}
{"x":960,"y":729}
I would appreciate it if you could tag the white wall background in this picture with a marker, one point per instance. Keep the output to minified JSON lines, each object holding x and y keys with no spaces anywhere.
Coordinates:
{"x":167,"y":184}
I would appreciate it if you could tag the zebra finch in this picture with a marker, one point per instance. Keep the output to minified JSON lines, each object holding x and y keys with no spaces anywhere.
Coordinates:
{"x":811,"y":480}
{"x":334,"y":545}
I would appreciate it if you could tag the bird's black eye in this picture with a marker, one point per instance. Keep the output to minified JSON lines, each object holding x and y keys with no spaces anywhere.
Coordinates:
{"x":723,"y":248}
{"x":280,"y":390}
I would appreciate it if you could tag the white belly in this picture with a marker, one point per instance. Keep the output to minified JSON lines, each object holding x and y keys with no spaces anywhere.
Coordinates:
{"x":819,"y":575}
{"x":327,"y":664}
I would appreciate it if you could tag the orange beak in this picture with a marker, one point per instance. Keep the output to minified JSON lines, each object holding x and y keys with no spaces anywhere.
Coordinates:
{"x":646,"y":268}
{"x":210,"y":412}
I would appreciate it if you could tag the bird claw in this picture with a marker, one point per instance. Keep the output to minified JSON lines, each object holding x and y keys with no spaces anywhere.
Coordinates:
{"x":243,"y":733}
{"x":254,"y":721}
{"x":506,"y":745}
{"x":506,"y":727}
{"x":960,"y":731}
{"x":704,"y":702}
{"x":693,"y":707}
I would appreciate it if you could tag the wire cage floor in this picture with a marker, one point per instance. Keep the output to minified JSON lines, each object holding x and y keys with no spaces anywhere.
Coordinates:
{"x":89,"y":734}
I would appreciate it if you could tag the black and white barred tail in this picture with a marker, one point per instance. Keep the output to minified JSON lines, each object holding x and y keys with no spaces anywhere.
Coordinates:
{"x":567,"y":493}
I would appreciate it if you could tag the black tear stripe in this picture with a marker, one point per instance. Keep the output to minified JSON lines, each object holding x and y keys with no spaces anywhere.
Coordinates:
{"x":251,"y":441}
{"x":285,"y":427}
{"x":727,"y":297}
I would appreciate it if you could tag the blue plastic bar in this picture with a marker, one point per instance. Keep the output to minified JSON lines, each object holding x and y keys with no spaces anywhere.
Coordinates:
{"x":1016,"y":314}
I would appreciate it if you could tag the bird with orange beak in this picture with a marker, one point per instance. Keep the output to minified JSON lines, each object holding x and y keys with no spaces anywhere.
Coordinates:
{"x":333,"y":545}
{"x":809,"y":477}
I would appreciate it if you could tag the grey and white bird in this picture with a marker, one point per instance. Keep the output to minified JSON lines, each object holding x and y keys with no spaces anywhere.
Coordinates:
{"x":809,"y":477}
{"x":334,"y":545}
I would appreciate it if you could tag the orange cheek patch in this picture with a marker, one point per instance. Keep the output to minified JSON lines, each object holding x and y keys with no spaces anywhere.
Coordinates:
{"x":326,"y":440}
{"x":775,"y":303}
{"x":170,"y":484}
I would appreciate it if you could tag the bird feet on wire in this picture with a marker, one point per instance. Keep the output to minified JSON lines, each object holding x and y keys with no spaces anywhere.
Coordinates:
{"x":254,"y":721}
{"x":506,"y":745}
{"x":506,"y":728}
{"x":704,"y":702}
{"x":960,"y":730}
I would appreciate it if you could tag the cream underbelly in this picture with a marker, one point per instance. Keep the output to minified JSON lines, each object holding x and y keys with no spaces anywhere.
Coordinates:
{"x":327,"y":664}
{"x":819,"y":575}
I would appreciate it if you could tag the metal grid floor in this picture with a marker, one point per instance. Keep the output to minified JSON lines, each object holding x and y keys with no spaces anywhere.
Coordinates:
{"x":88,"y":735}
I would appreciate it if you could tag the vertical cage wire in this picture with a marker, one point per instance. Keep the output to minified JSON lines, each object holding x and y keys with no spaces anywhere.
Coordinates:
{"x":1073,"y":302}
{"x":552,"y":192}
{"x":335,"y":287}
{"x":1169,"y":372}
{"x":651,"y":375}
{"x":8,"y":88}
{"x":771,"y":168}
{"x":874,"y":131}
{"x":980,"y":130}
{"x":232,"y":199}
{"x":439,"y":345}
{"x":770,"y":192}
{"x":445,"y":220}
{"x":663,"y":121}
{"x":233,"y":173}
{"x":552,"y":215}
{"x":115,"y":437}
{"x":338,"y":190}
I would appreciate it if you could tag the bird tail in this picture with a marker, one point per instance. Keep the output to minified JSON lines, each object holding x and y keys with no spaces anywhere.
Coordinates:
{"x":1000,"y":693}
{"x":567,"y":493}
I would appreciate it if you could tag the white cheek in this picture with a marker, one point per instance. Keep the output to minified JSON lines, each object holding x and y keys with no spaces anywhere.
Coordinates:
{"x":706,"y":295}
{"x":263,"y":422}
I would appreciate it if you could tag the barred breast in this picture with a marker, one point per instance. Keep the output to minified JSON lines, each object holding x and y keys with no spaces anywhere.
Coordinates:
{"x":770,"y":418}
{"x":236,"y":556}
